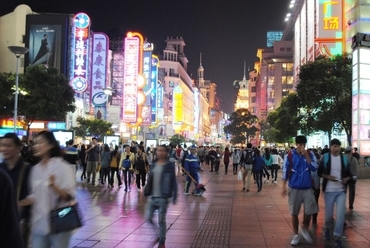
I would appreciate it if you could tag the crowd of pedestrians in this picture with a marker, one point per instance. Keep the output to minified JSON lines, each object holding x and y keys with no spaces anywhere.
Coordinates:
{"x":43,"y":177}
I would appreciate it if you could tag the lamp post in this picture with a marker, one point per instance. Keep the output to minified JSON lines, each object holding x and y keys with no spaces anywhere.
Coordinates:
{"x":18,"y":51}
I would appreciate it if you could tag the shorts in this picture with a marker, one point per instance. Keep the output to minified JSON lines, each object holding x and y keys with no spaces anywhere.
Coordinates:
{"x":298,"y":196}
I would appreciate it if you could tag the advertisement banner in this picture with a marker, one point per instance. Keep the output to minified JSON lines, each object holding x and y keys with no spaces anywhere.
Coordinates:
{"x":154,"y":79}
{"x":177,"y":107}
{"x":80,"y":53}
{"x":131,"y":70}
{"x":47,"y":38}
{"x":147,"y":72}
{"x":100,"y":48}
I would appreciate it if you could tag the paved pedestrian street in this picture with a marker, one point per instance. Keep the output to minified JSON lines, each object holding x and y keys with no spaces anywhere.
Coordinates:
{"x":223,"y":217}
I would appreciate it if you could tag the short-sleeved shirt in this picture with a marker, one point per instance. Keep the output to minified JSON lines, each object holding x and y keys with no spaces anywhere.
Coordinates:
{"x":93,"y":155}
{"x":71,"y":155}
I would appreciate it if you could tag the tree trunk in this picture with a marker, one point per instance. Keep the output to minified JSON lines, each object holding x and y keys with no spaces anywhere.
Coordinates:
{"x":329,"y":135}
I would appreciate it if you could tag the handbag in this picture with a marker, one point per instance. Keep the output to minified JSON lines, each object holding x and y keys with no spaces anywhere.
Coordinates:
{"x":240,"y":175}
{"x":65,"y":219}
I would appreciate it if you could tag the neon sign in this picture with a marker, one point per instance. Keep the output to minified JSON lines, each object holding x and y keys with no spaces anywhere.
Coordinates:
{"x":147,"y":72}
{"x":131,"y":70}
{"x":330,"y":27}
{"x":177,"y":107}
{"x":154,"y":80}
{"x":99,"y":73}
{"x":81,"y":45}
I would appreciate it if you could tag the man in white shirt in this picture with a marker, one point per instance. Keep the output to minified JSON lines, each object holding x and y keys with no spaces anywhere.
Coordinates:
{"x":335,"y":170}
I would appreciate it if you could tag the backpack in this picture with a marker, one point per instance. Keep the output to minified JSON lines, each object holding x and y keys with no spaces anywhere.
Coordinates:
{"x":343,"y":158}
{"x":248,"y":156}
{"x":126,"y":163}
{"x":140,"y":162}
{"x":178,"y":152}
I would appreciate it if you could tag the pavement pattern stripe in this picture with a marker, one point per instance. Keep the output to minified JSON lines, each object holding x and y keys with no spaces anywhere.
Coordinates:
{"x":215,"y":230}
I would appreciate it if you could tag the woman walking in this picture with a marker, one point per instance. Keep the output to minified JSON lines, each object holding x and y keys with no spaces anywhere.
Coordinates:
{"x":82,"y":155}
{"x":258,"y":166}
{"x":113,"y":167}
{"x":276,"y":160}
{"x":235,"y":155}
{"x":52,"y":183}
{"x":127,"y":166}
{"x":226,"y":155}
{"x":268,"y":162}
{"x":141,"y":167}
{"x":105,"y":162}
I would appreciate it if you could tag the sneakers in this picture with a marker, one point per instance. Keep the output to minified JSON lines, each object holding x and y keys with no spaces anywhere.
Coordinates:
{"x":243,"y":188}
{"x":295,"y":240}
{"x":306,"y":235}
{"x":275,"y":182}
{"x":338,"y":243}
{"x":186,"y":193}
{"x":327,"y":234}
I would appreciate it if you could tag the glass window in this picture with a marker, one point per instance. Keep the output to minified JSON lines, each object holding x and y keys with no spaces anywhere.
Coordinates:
{"x":253,"y":89}
{"x":289,"y":49}
{"x":282,"y":49}
{"x":253,"y":100}
{"x":271,"y":68}
{"x":271,"y":81}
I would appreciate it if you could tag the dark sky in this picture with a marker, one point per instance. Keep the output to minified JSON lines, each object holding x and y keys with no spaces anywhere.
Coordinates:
{"x":226,"y":32}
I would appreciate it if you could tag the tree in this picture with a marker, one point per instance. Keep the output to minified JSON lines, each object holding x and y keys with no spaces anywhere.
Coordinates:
{"x":285,"y":120}
{"x":177,"y":139}
{"x":7,"y":94}
{"x":325,"y":91}
{"x":242,"y":123}
{"x":92,"y":127}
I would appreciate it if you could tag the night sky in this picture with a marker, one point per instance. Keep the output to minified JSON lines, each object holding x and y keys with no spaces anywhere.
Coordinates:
{"x":226,"y":32}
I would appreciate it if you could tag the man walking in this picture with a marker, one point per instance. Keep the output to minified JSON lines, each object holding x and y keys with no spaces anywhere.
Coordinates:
{"x":335,"y":170}
{"x":92,"y":158}
{"x":297,"y":168}
{"x":18,"y":171}
{"x":353,"y":165}
{"x":161,"y":186}
{"x":246,"y":163}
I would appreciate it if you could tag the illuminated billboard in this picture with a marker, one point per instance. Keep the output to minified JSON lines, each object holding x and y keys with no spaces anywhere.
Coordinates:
{"x":177,"y":108}
{"x":131,"y":70}
{"x":47,"y":40}
{"x":147,"y":73}
{"x":361,"y":98}
{"x":330,"y":27}
{"x":154,"y":80}
{"x":100,"y":48}
{"x":160,"y":109}
{"x":80,"y":53}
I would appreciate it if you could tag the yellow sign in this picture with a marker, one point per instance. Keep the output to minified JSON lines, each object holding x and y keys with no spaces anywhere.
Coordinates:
{"x":330,"y":22}
{"x":177,"y":105}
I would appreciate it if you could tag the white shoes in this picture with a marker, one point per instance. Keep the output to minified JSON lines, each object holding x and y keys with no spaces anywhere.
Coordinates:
{"x":295,"y":240}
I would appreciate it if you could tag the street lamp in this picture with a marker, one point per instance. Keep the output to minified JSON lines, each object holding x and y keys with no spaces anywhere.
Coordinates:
{"x":18,"y":51}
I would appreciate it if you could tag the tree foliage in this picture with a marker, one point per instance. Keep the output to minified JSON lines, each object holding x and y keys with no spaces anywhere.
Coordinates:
{"x":177,"y":139}
{"x":324,"y":91}
{"x":242,"y":125}
{"x":285,"y":120}
{"x":49,"y":95}
{"x":7,"y":94}
{"x":92,"y":127}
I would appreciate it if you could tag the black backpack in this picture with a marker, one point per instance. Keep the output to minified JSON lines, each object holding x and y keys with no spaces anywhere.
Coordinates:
{"x":248,"y":156}
{"x":139,"y":163}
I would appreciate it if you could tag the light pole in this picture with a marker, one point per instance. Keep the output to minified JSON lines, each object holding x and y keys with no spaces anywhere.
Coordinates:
{"x":18,"y":51}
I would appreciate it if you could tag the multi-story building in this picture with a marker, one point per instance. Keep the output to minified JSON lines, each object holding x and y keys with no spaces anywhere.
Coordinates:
{"x":243,"y":98}
{"x":13,"y":31}
{"x":253,"y":76}
{"x":275,"y":76}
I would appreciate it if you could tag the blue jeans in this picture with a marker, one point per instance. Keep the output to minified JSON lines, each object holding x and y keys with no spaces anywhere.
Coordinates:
{"x":161,"y":204}
{"x":60,"y":240}
{"x":339,"y":199}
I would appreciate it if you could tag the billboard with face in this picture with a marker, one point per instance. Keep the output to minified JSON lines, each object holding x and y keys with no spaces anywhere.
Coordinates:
{"x":47,"y":40}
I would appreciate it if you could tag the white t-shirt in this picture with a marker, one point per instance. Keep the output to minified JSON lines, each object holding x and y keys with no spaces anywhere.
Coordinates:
{"x":335,"y":171}
{"x":276,"y":159}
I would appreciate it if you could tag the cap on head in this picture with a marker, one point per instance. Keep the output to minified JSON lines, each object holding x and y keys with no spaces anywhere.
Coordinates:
{"x":301,"y":139}
{"x":348,"y":149}
{"x":193,"y":147}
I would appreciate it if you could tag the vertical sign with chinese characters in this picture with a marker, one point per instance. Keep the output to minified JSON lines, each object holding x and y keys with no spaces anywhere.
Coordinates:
{"x":99,"y":73}
{"x":177,"y":108}
{"x":131,"y":70}
{"x":81,"y":48}
{"x":160,"y":109}
{"x":330,"y":27}
{"x":153,"y":96}
{"x":147,"y":72}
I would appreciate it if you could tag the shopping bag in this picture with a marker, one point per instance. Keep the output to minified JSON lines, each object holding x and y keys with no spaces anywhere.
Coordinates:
{"x":240,"y":175}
